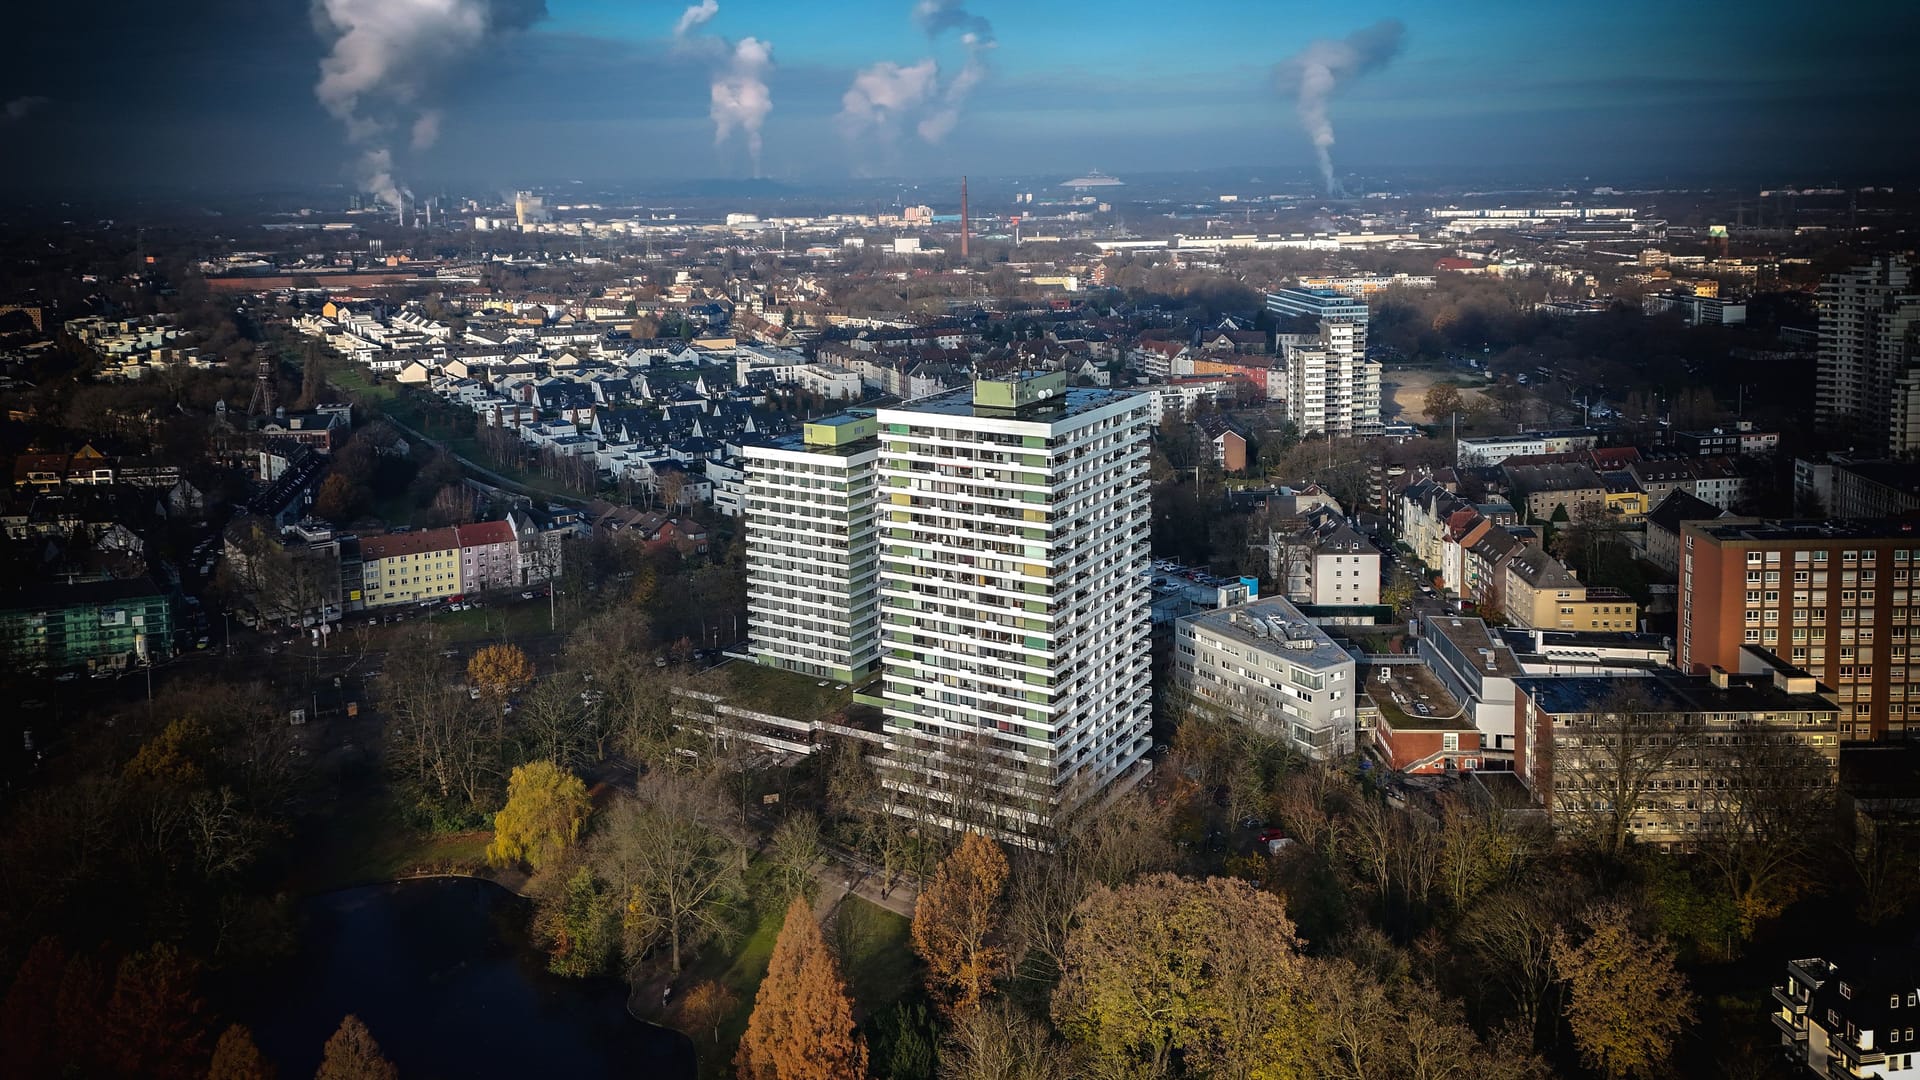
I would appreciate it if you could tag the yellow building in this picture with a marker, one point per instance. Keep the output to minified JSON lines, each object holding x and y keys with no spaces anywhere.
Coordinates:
{"x":1545,"y":595}
{"x":408,"y":567}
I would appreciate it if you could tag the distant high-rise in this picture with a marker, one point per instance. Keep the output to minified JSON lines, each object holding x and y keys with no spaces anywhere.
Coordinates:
{"x":1331,"y":387}
{"x":810,"y":549}
{"x":1863,"y":378}
{"x":986,"y":548}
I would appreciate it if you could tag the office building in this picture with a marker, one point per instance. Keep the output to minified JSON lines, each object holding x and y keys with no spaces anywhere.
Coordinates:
{"x":1834,"y":598}
{"x":1862,"y":380}
{"x":1264,"y":665}
{"x":1681,"y":735}
{"x":811,"y":560}
{"x":1012,"y":525}
{"x":1322,"y":304}
{"x":98,"y":625}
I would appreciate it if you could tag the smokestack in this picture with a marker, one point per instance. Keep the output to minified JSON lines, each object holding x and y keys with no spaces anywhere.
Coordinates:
{"x":966,"y":223}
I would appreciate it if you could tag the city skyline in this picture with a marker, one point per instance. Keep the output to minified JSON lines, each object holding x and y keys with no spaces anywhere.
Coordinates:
{"x":500,"y":91}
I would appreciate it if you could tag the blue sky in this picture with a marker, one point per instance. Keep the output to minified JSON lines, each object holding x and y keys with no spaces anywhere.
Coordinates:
{"x":221,"y":91}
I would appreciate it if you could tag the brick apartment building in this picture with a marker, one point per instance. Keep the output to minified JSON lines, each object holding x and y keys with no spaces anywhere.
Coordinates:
{"x":1836,"y":599}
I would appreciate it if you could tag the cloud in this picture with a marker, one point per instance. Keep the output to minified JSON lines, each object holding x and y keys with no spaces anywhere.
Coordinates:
{"x":938,"y":16}
{"x":1312,"y":75}
{"x":695,"y":17}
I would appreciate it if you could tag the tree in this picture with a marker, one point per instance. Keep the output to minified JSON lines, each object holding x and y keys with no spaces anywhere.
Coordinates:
{"x":351,"y":1054}
{"x":580,"y":924}
{"x":796,"y":854}
{"x":705,"y":1008}
{"x":498,"y":670}
{"x":1443,"y":400}
{"x":998,"y":1043}
{"x":339,"y":500}
{"x":802,"y":1024}
{"x":1510,"y":935}
{"x":903,"y":1043}
{"x":1602,"y":781}
{"x":1766,"y":807}
{"x":957,"y":922}
{"x":1626,"y":1002}
{"x":236,"y":1057}
{"x":27,"y":1016}
{"x":546,"y":809}
{"x":674,"y":867}
{"x":156,"y":1022}
{"x":1207,"y":970}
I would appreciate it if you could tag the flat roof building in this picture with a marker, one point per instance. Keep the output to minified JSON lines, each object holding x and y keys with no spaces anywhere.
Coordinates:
{"x":1263,"y":664}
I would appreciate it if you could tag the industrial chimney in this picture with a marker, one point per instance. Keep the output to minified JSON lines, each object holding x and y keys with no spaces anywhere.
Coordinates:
{"x":966,"y":223}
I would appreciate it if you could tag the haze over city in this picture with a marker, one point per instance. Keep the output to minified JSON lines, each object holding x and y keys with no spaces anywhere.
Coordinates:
{"x":128,"y":95}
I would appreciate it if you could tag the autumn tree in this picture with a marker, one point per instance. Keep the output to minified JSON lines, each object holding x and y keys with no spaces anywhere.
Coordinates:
{"x":498,"y":670}
{"x":1098,"y":843}
{"x":27,"y":1016}
{"x":1443,"y":400}
{"x":1206,"y":971}
{"x":156,"y":1020}
{"x":1626,"y":1002}
{"x":802,"y":1024}
{"x":546,"y":809}
{"x":339,"y":499}
{"x":957,"y":923}
{"x":237,"y":1057}
{"x":1509,"y":934}
{"x":705,"y":1008}
{"x":351,"y":1054}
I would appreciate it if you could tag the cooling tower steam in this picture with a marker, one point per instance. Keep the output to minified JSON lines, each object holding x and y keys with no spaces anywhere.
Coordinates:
{"x":1311,"y":76}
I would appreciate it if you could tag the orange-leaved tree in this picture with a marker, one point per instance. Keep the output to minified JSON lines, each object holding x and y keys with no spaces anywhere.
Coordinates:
{"x":957,"y":921}
{"x":498,"y":670}
{"x":802,"y":1025}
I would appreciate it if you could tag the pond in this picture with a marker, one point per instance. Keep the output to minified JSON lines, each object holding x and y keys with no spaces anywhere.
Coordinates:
{"x":445,"y":977}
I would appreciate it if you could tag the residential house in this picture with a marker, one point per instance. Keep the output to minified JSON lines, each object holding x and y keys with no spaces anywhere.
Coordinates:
{"x":1542,"y":593}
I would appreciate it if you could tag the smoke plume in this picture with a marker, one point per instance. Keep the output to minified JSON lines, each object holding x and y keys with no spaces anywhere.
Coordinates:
{"x":739,"y":94}
{"x":886,"y":94}
{"x":383,"y":59}
{"x":1312,"y":75}
{"x":22,"y":107}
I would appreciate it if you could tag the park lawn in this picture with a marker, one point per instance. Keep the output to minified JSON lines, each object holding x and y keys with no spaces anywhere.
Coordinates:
{"x":370,"y":841}
{"x":875,"y":955}
{"x":509,"y":623}
{"x":358,"y":385}
{"x":739,"y":970}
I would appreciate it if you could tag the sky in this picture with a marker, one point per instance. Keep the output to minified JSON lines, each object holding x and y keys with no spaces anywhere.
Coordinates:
{"x":387,"y":94}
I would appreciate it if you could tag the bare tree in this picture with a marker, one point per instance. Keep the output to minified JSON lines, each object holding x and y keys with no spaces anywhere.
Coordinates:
{"x":675,"y":865}
{"x":1768,"y":813}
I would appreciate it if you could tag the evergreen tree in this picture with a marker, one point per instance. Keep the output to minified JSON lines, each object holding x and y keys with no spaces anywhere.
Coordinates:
{"x":236,"y":1057}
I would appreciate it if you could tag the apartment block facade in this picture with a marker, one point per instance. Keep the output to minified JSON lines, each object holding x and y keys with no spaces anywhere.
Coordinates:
{"x":1862,"y":379}
{"x":1331,"y":386}
{"x":811,"y":560}
{"x":98,"y":625}
{"x":409,"y":567}
{"x":1838,"y":599}
{"x":1264,"y":665}
{"x":1012,"y":526}
{"x":1858,"y":1016}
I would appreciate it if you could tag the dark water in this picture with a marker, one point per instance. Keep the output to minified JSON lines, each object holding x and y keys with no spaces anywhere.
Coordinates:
{"x":443,"y":974}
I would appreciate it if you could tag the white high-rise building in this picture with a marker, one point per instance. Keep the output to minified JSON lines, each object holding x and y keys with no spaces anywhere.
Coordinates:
{"x":810,"y":549}
{"x":1013,"y":520}
{"x":986,"y":549}
{"x":1331,"y":386}
{"x":1861,"y":384}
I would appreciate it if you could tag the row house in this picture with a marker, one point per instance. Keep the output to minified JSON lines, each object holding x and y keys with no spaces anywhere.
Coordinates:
{"x":489,"y":556}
